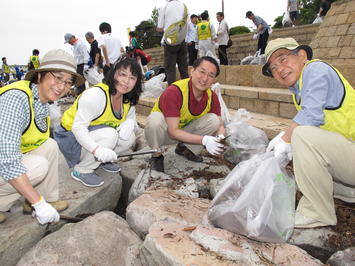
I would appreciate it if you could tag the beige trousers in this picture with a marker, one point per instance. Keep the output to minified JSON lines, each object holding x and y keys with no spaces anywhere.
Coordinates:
{"x":318,"y":157}
{"x":42,"y":170}
{"x":156,"y":130}
{"x":106,"y":137}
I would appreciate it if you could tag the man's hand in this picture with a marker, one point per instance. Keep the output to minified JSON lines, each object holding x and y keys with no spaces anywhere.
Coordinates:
{"x":44,"y":212}
{"x":105,"y":155}
{"x":280,"y":147}
{"x":212,"y":145}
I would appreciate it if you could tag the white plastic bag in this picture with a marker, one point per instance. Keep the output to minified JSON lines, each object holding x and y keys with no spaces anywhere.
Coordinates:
{"x":259,"y":59}
{"x":246,"y":60}
{"x":154,"y":87}
{"x":286,"y":20}
{"x":93,"y":76}
{"x":55,"y":115}
{"x":245,"y":140}
{"x":257,"y":199}
{"x":318,"y":20}
{"x":224,"y":110}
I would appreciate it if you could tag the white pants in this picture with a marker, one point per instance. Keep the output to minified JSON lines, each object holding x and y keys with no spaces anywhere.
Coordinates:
{"x":106,"y":137}
{"x":318,"y":157}
{"x":42,"y":171}
{"x":207,"y":48}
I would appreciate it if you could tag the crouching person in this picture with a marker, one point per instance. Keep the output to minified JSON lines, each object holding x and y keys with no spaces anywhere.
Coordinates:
{"x":188,"y":113}
{"x":322,"y":134}
{"x":28,"y":157}
{"x":100,"y":123}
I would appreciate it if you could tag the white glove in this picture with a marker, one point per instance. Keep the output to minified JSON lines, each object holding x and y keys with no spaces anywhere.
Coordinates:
{"x":255,"y":36}
{"x":220,"y":137}
{"x":44,"y":212}
{"x":105,"y":155}
{"x":212,"y":145}
{"x":280,"y":147}
{"x":126,"y":129}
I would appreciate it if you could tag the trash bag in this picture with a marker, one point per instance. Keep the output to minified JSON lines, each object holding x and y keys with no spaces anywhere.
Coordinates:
{"x":224,"y":110}
{"x":93,"y":76}
{"x":245,"y":140}
{"x":286,"y":20}
{"x":318,"y":20}
{"x":257,"y":199}
{"x":259,"y":59}
{"x":154,"y":87}
{"x":246,"y":60}
{"x":55,"y":115}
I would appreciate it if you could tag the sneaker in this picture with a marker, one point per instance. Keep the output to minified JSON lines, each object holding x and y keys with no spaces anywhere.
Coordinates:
{"x":302,"y":221}
{"x":157,"y":163}
{"x":59,"y":205}
{"x":182,"y":150}
{"x":110,"y":167}
{"x":89,"y":180}
{"x":2,"y":217}
{"x":344,"y":193}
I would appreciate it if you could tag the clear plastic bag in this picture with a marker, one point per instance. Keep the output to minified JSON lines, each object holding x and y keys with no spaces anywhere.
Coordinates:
{"x":259,"y":59}
{"x":246,"y":60}
{"x":245,"y":140}
{"x":257,"y":199}
{"x":224,"y":110}
{"x":286,"y":20}
{"x":318,"y":20}
{"x":55,"y":115}
{"x":154,"y":87}
{"x":93,"y":76}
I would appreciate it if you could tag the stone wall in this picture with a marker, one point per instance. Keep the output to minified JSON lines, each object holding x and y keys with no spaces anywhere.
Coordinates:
{"x":335,"y":40}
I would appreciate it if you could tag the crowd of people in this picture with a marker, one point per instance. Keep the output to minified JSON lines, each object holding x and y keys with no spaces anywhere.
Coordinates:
{"x":102,"y":121}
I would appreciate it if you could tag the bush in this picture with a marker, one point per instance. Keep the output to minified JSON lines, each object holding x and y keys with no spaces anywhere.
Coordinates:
{"x":278,"y":23}
{"x":238,"y":30}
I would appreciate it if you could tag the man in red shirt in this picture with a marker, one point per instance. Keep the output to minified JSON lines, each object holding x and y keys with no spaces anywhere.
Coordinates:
{"x":188,"y":112}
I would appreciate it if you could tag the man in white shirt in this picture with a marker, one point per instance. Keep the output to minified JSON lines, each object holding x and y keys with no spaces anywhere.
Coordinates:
{"x":172,"y":21}
{"x":222,"y":38}
{"x":81,"y":56}
{"x":111,"y":46}
{"x":191,"y":39}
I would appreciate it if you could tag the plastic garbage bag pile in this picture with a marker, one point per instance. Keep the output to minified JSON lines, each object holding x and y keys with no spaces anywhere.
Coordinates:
{"x":256,"y":59}
{"x":93,"y":76}
{"x":154,"y":87}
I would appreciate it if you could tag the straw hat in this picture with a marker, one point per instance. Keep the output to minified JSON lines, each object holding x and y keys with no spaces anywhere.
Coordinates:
{"x":57,"y":60}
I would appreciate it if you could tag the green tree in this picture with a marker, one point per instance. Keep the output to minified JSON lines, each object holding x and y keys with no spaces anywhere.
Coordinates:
{"x":238,"y":30}
{"x":154,"y":16}
{"x":278,"y":22}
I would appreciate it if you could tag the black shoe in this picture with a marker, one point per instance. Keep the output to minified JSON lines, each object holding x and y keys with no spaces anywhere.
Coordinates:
{"x":182,"y":150}
{"x":157,"y":163}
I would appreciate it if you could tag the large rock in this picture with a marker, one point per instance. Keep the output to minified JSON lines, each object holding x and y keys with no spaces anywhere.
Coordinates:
{"x":103,"y":239}
{"x":19,"y":232}
{"x":156,"y":205}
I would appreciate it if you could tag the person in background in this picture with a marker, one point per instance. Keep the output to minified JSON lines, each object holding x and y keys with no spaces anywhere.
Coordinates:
{"x":172,"y":21}
{"x":111,"y":46}
{"x":191,"y":39}
{"x":133,"y":41}
{"x":222,"y":38}
{"x":28,"y":156}
{"x":262,"y":31}
{"x":100,"y":123}
{"x":188,"y":111}
{"x":19,"y":73}
{"x":81,"y":56}
{"x":323,"y":8}
{"x":321,"y":137}
{"x":5,"y":70}
{"x":207,"y":38}
{"x":293,"y":7}
{"x":95,"y":51}
{"x":34,"y":60}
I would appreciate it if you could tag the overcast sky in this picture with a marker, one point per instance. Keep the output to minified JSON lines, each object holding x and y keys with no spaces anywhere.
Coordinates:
{"x":29,"y":24}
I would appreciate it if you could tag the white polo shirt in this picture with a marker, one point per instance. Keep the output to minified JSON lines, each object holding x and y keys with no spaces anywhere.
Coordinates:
{"x":113,"y":45}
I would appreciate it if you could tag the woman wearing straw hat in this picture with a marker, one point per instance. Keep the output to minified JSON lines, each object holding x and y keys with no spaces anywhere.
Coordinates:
{"x":28,"y":156}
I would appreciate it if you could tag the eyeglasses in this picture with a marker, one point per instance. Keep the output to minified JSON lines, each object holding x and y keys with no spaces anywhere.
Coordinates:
{"x":60,"y":80}
{"x":210,"y":75}
{"x":281,"y":60}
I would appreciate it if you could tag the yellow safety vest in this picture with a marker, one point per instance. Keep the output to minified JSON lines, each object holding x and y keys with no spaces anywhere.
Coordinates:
{"x":35,"y":61}
{"x":204,"y":30}
{"x":32,"y":136}
{"x":6,"y":68}
{"x":106,"y":118}
{"x":342,"y":118}
{"x":171,"y":34}
{"x":185,"y":115}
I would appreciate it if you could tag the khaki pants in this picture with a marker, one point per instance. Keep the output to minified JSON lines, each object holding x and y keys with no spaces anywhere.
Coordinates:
{"x":42,"y":170}
{"x":318,"y":157}
{"x":156,"y":130}
{"x":106,"y":137}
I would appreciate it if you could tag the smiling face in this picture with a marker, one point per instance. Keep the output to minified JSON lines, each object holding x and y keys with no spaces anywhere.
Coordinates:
{"x":286,"y":66}
{"x":203,"y":76}
{"x":53,"y":85}
{"x":124,"y":80}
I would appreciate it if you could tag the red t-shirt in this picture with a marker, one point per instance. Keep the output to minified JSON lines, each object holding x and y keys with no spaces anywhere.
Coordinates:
{"x":170,"y":102}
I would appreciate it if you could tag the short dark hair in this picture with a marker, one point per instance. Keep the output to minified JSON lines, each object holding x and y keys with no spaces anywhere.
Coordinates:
{"x":132,"y":34}
{"x":249,"y":13}
{"x":104,"y":26}
{"x":220,"y":14}
{"x":193,"y":16}
{"x":198,"y":62}
{"x":35,"y":52}
{"x":205,"y":15}
{"x":131,"y":63}
{"x":3,"y":58}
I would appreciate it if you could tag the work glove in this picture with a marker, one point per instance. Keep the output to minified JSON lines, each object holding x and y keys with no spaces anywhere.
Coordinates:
{"x":105,"y":155}
{"x":280,"y":147}
{"x":212,"y":145}
{"x":255,"y":36}
{"x":44,"y":212}
{"x":126,"y":129}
